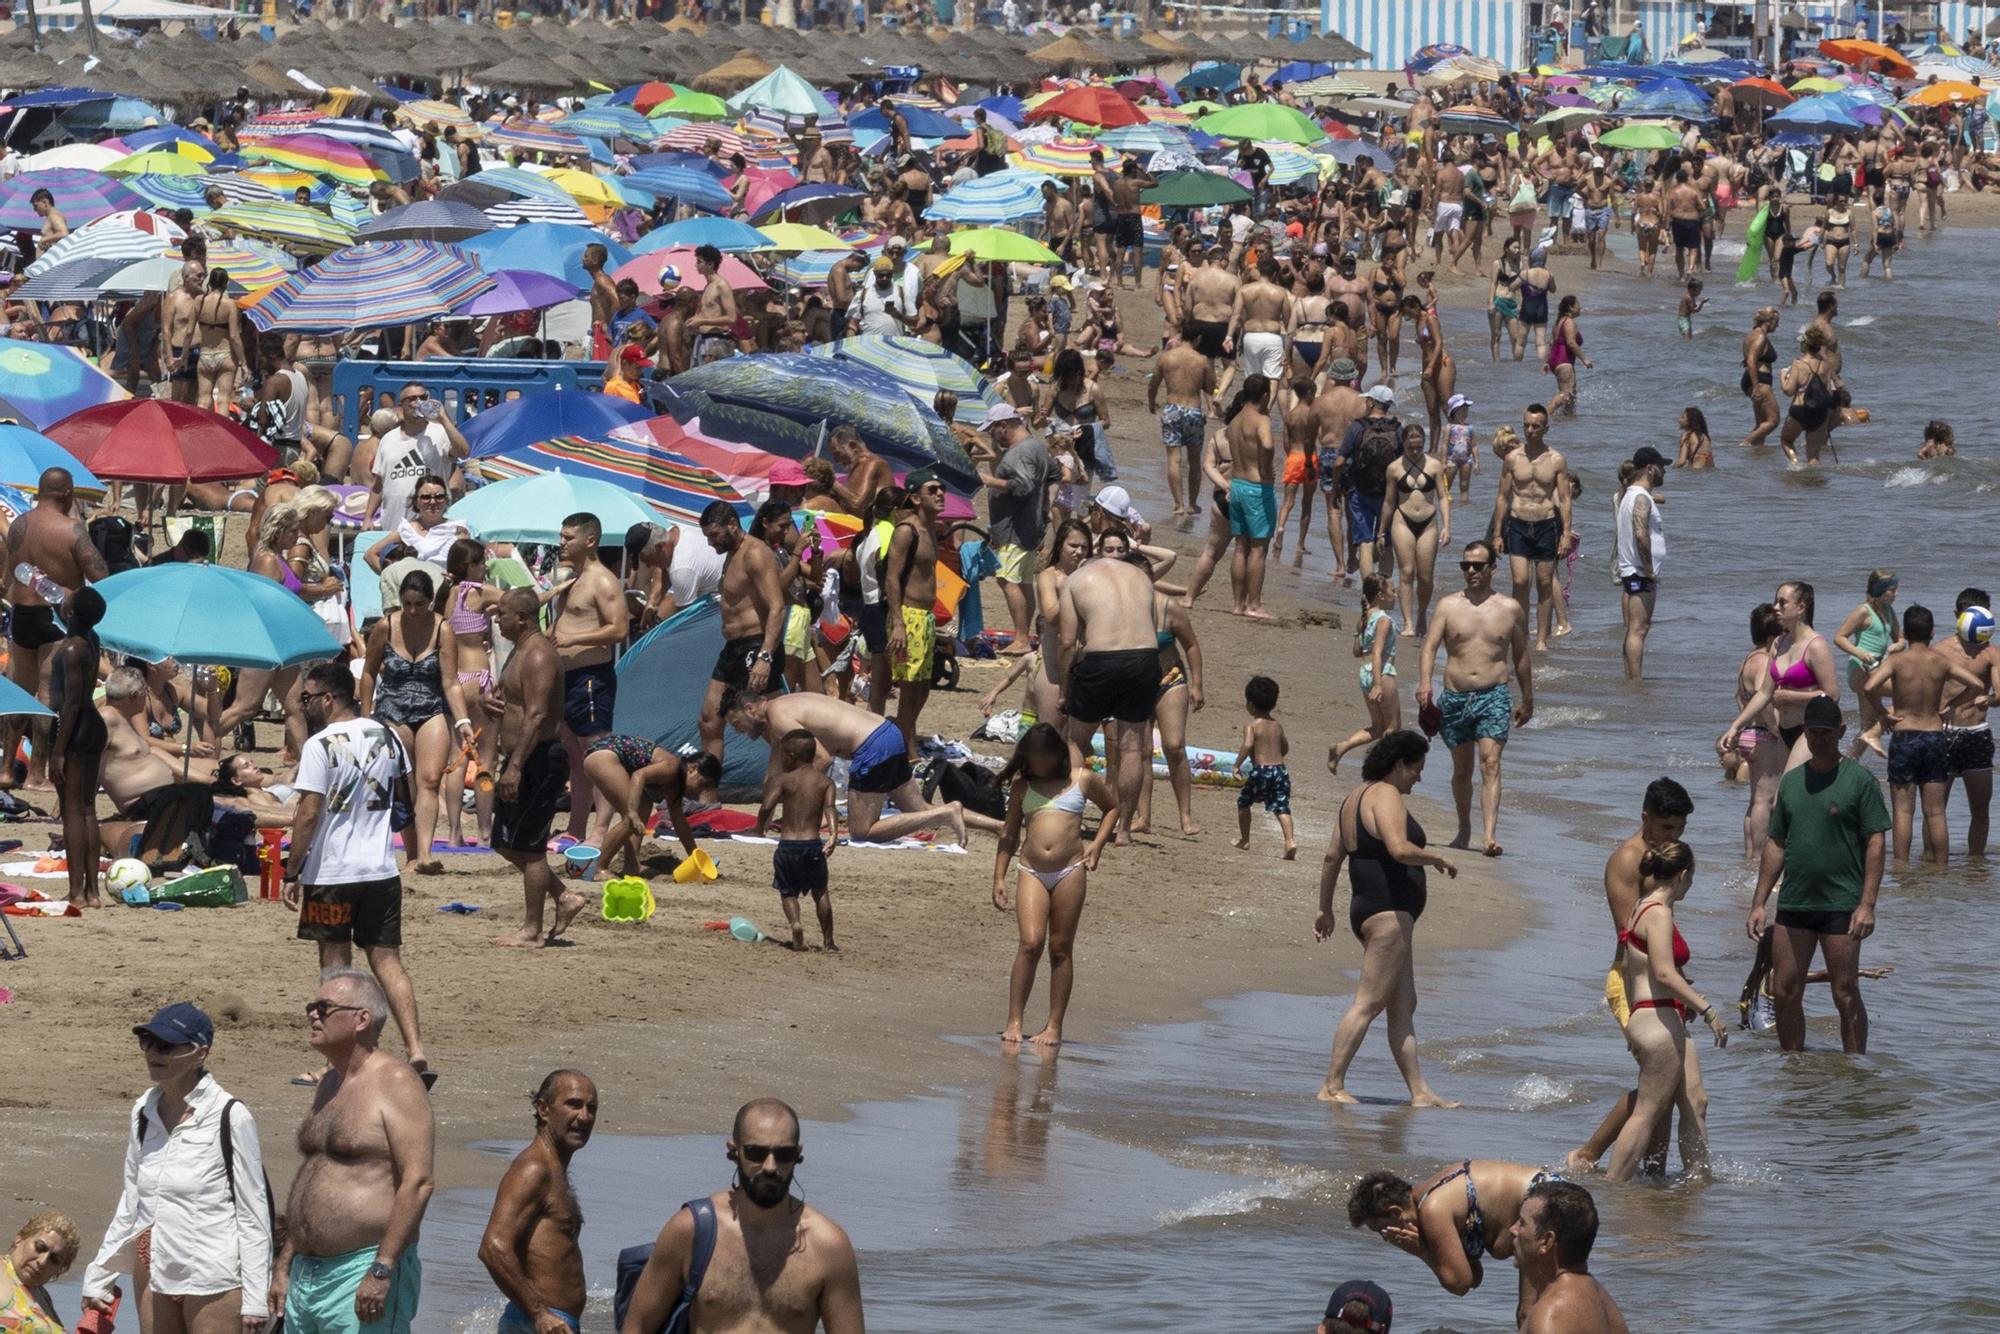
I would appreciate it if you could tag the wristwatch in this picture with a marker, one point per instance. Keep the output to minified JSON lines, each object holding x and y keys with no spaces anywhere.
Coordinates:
{"x":381,"y":1271}
{"x":762,"y":656}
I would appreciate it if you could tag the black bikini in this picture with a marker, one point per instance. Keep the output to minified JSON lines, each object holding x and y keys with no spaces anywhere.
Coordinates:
{"x":1425,"y":482}
{"x":1765,"y":358}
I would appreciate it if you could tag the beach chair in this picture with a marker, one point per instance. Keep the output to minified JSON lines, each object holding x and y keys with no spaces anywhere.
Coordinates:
{"x":11,"y":948}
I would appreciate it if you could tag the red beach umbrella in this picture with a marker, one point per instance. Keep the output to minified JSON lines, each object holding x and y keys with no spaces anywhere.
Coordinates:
{"x":1092,"y":104}
{"x":154,"y":440}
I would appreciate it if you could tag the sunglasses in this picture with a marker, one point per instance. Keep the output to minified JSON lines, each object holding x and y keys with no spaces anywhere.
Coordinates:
{"x":784,"y":1154}
{"x":430,"y":500}
{"x":150,"y":1042}
{"x":1474,"y":566}
{"x":420,"y":398}
{"x":319,"y":1009}
{"x":932,"y":487}
{"x":306,"y":696}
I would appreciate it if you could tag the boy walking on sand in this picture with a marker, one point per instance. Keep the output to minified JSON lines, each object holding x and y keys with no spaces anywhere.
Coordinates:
{"x":1265,"y":779}
{"x":798,"y":866}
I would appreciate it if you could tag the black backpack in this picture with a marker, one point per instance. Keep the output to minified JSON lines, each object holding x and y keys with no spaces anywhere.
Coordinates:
{"x":1381,"y":441}
{"x":228,"y":1138}
{"x":117,"y":541}
{"x":632,"y":1263}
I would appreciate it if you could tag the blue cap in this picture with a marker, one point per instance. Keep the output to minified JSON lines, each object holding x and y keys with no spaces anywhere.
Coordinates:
{"x":180,"y":1023}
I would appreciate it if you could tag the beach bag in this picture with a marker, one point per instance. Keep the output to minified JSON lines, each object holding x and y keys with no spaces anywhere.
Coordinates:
{"x":216,"y":887}
{"x":1381,"y":441}
{"x":114,"y":539}
{"x":632,"y":1262}
{"x":1818,"y":396}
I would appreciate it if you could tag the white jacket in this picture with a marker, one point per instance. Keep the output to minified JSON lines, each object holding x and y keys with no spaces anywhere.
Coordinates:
{"x":202,"y":1243}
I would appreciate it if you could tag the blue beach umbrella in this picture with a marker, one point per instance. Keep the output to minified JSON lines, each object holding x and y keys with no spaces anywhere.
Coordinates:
{"x":1210,"y":78}
{"x":161,"y":135}
{"x":1008,"y":108}
{"x":25,"y":454}
{"x":921,"y":368}
{"x":609,"y":122}
{"x":696,"y":189}
{"x":81,"y":196}
{"x":553,"y":248}
{"x":531,"y":509}
{"x":211,"y":614}
{"x":45,"y":382}
{"x":1144,"y":139}
{"x":992,"y":200}
{"x":923,"y":123}
{"x":522,"y":423}
{"x":92,"y":119}
{"x":728,"y":235}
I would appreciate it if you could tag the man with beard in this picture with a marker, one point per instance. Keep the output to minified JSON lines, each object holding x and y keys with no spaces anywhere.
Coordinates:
{"x":530,"y":1246}
{"x":776,"y":1263}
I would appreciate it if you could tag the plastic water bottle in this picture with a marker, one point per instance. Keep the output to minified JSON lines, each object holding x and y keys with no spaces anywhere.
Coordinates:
{"x":33,"y":577}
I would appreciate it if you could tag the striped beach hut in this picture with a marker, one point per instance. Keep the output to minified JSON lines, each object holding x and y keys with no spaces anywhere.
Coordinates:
{"x":1393,"y":30}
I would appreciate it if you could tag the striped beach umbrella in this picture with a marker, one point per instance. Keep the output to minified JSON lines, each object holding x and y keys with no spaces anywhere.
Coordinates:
{"x":428,"y":112}
{"x":76,"y":280}
{"x":607,"y":122}
{"x":81,"y":196}
{"x":696,"y":189}
{"x":770,"y":125}
{"x":1061,"y":157}
{"x":527,"y":136}
{"x":374,"y":283}
{"x":812,"y":268}
{"x":250,"y":263}
{"x":1291,"y":164}
{"x":283,"y":222}
{"x":1143,"y":139}
{"x":238,"y":188}
{"x":513,"y":212}
{"x":1327,"y":87}
{"x":156,"y":161}
{"x":921,"y":368}
{"x":1004,"y":196}
{"x":484,"y":188}
{"x":132,"y":235}
{"x":279,"y":122}
{"x":46,"y":382}
{"x":695,"y":139}
{"x":317,"y":155}
{"x":1169,"y":116}
{"x":675,"y":486}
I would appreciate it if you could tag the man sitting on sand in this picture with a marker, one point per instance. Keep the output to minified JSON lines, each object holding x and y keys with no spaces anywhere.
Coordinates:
{"x":142,"y":776}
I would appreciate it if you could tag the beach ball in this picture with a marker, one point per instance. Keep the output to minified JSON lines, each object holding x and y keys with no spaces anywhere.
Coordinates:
{"x":127,"y":873}
{"x":1975,"y":625}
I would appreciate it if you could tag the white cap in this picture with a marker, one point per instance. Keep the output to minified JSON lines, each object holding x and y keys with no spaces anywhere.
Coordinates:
{"x":1596,"y":163}
{"x":1382,"y":394}
{"x":1457,"y":401}
{"x":1117,"y":501}
{"x":999,"y":412}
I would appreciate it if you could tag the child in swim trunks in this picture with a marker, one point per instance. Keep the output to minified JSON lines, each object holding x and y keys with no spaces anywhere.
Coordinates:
{"x":798,"y":864}
{"x":1265,"y":777}
{"x":1690,"y":306}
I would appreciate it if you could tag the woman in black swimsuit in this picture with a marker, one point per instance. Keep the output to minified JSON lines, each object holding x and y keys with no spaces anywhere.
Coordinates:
{"x":1813,"y":386}
{"x":1382,"y":846}
{"x":1758,"y":358}
{"x":1386,"y":295}
{"x":1416,"y":514}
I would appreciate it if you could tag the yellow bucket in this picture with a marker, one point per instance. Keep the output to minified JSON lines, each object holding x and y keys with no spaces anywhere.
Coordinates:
{"x":627,"y":899}
{"x":698,"y":865}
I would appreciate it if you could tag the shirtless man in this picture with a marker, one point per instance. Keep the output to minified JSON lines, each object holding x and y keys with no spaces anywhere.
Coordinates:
{"x":840,"y":289}
{"x":1448,"y":186}
{"x":1211,"y":297}
{"x":1484,"y":635}
{"x":879,"y":762}
{"x":1916,"y":679}
{"x":1827,"y":308}
{"x":753,"y":617}
{"x":178,"y":339}
{"x":1261,"y":320}
{"x":1600,"y":191}
{"x":909,"y":589}
{"x":1531,"y":514}
{"x":1107,"y":657}
{"x":530,"y":1244}
{"x":1253,"y":502}
{"x":592,"y":622}
{"x":528,"y":711}
{"x":1338,"y":407}
{"x":53,"y":539}
{"x":603,"y":300}
{"x":364,"y":1179}
{"x":815,"y":163}
{"x":867,"y":471}
{"x":1058,"y":220}
{"x":673,"y":345}
{"x":713,"y":323}
{"x":1968,"y":740}
{"x":1186,"y":379}
{"x":778,"y":1266}
{"x":1684,"y":223}
{"x":1128,"y":240}
{"x":1553,"y":1234}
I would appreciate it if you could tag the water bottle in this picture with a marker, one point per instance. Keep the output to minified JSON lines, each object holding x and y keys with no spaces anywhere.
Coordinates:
{"x":49,"y":590}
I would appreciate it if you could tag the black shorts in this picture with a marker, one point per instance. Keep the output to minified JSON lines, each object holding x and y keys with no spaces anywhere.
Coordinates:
{"x":1826,"y":923}
{"x":1532,"y":539}
{"x":1209,"y":336}
{"x":1123,"y":685}
{"x":874,"y":623}
{"x":1917,"y":758}
{"x":33,"y":627}
{"x":738,"y":656}
{"x":522,"y":825}
{"x":1128,"y":230}
{"x":589,"y":695}
{"x":1638,"y":583}
{"x":1687,"y":232}
{"x":366,"y":912}
{"x":1809,"y":419}
{"x":798,"y":866}
{"x":89,"y":736}
{"x":1967,"y":750}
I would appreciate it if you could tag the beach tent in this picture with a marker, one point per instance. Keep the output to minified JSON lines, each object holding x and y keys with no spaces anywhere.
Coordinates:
{"x":662,"y":681}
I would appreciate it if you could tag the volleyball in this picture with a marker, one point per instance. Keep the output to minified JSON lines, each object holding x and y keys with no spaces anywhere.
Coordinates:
{"x":127,"y":873}
{"x":1975,"y":625}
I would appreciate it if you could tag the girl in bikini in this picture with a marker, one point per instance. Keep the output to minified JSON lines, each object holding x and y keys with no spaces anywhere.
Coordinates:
{"x":1758,"y":744}
{"x":1799,"y":666}
{"x":1869,"y":634}
{"x":467,"y":603}
{"x":1416,"y":515}
{"x":219,"y":343}
{"x":1045,"y":799}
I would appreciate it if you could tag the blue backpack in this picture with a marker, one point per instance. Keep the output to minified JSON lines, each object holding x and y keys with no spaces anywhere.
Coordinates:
{"x":632,"y":1262}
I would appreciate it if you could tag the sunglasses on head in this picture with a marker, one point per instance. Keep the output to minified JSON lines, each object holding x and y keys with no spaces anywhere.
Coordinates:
{"x":784,"y":1154}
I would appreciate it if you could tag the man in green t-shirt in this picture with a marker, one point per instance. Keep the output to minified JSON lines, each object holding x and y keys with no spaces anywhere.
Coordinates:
{"x":1826,"y":840}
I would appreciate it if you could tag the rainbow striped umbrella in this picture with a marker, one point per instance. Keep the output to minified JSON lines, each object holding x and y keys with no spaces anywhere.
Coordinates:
{"x":81,"y":196}
{"x":317,"y":155}
{"x":675,"y":486}
{"x":137,"y":235}
{"x":374,"y":283}
{"x":428,"y":111}
{"x":1059,"y":157}
{"x":1170,"y":116}
{"x":1144,"y":139}
{"x":46,"y":382}
{"x":250,"y":263}
{"x":527,"y":136}
{"x":695,"y":139}
{"x":921,"y":368}
{"x":285,"y":223}
{"x":607,"y":122}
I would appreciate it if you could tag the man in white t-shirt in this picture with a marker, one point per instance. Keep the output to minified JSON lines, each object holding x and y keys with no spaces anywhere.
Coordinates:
{"x":688,"y":571}
{"x":341,"y":871}
{"x":880,"y":305}
{"x":424,"y":444}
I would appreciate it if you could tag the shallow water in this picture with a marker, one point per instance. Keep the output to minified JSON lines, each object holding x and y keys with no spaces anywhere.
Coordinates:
{"x":1183,"y":1176}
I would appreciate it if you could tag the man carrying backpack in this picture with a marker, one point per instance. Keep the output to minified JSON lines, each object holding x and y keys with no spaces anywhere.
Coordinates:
{"x":777,"y":1262}
{"x":1362,"y":474}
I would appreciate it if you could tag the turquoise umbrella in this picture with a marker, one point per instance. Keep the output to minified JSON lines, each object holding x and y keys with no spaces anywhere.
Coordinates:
{"x":213,"y":615}
{"x":15,"y":702}
{"x":26,"y":454}
{"x":921,"y":368}
{"x":553,"y":248}
{"x":41,"y":383}
{"x":531,"y":509}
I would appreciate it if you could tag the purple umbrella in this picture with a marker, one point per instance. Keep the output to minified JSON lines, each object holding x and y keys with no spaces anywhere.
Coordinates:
{"x":1569,"y":100}
{"x":517,"y":290}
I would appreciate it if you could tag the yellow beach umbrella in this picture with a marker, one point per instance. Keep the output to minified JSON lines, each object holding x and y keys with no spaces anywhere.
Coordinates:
{"x":795,"y":236}
{"x":155,"y":162}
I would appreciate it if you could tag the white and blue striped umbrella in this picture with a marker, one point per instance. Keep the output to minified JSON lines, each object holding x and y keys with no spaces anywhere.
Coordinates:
{"x":697,"y":189}
{"x":511,"y":211}
{"x":1144,"y":139}
{"x":237,"y":190}
{"x":608,"y":122}
{"x":1003,"y":197}
{"x":116,"y":241}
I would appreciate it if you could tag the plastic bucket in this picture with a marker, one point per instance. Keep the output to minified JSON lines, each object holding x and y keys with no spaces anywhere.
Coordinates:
{"x":697,"y":865}
{"x":579,"y":860}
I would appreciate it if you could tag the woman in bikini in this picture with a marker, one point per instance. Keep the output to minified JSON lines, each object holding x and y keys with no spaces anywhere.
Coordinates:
{"x":1386,"y":297}
{"x":1504,"y":301}
{"x":1168,"y":293}
{"x":1440,"y":372}
{"x":1662,"y":1002}
{"x":1648,"y":216}
{"x":1315,"y":316}
{"x":1451,"y":1218}
{"x":1565,"y":351}
{"x":1836,"y":237}
{"x":1045,"y":798}
{"x":467,"y":602}
{"x":1416,"y":515}
{"x":1870,"y":633}
{"x":1069,"y":547}
{"x":636,"y":774}
{"x":410,"y":681}
{"x":218,"y":325}
{"x":1696,"y":450}
{"x":1814,"y":388}
{"x":1799,"y":666}
{"x":1758,"y":358}
{"x":1076,"y":404}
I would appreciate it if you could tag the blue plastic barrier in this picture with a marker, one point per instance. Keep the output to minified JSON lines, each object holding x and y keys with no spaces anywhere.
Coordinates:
{"x":462,"y":383}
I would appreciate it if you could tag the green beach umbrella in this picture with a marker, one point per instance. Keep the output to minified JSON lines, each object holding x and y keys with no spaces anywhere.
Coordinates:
{"x":1195,"y":189}
{"x":1262,"y":120}
{"x":999,"y":245}
{"x":1641,"y":135}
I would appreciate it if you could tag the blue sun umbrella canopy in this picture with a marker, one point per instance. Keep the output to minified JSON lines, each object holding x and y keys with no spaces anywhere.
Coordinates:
{"x":728,"y":235}
{"x":697,"y":189}
{"x":811,"y":391}
{"x":923,"y":123}
{"x":212,"y":615}
{"x":663,"y":679}
{"x":93,"y":119}
{"x":608,"y":122}
{"x":25,"y":454}
{"x":784,"y":92}
{"x":554,"y":248}
{"x":992,"y":200}
{"x":372,"y":284}
{"x":532,"y":509}
{"x":426,"y":220}
{"x":921,"y":368}
{"x":1210,"y":78}
{"x":45,"y":382}
{"x":522,"y":423}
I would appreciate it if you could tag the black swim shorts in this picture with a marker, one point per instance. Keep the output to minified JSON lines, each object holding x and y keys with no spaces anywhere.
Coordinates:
{"x":589,"y":694}
{"x":1209,"y":336}
{"x":522,"y":825}
{"x":1532,"y":539}
{"x":1637,"y":583}
{"x":738,"y":656}
{"x":33,"y":627}
{"x":798,"y":866}
{"x":1123,"y":685}
{"x":1128,"y":231}
{"x":1916,"y":758}
{"x":1967,"y":750}
{"x":1687,"y":233}
{"x":1827,"y":923}
{"x":367,"y":912}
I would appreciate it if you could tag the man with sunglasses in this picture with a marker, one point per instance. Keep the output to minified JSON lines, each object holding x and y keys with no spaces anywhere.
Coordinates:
{"x":365,"y":1176}
{"x":777,"y":1262}
{"x":423,"y":444}
{"x":1484,"y":635}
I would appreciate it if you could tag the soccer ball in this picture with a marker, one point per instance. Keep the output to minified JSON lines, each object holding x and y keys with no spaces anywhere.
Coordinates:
{"x":1975,"y":626}
{"x":127,"y":873}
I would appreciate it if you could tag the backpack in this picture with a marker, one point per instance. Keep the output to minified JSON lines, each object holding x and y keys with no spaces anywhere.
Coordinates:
{"x":228,"y":1139}
{"x":1381,"y":441}
{"x":116,"y":541}
{"x":1818,"y":395}
{"x":632,"y":1262}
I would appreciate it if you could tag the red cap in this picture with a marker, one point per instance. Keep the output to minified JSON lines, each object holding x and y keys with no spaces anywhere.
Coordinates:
{"x":635,"y":356}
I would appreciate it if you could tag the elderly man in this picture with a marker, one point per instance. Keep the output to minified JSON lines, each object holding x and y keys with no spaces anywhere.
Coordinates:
{"x":530,"y":1245}
{"x":1017,"y":511}
{"x":365,"y":1176}
{"x":425,"y":443}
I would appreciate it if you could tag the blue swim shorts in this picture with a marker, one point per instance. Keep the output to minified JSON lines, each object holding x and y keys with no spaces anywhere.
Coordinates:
{"x":1472,"y":714}
{"x":1253,"y":509}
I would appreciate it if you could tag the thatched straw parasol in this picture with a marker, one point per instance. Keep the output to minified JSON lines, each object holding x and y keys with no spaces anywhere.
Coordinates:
{"x":733,"y":75}
{"x":1069,"y":53}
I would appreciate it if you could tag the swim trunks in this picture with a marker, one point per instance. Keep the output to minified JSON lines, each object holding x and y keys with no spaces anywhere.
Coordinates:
{"x":1687,"y":233}
{"x":733,"y":663}
{"x":874,"y":619}
{"x":33,"y":627}
{"x":1825,"y":922}
{"x":881,"y":763}
{"x":1637,"y":584}
{"x":1597,"y":219}
{"x":1017,"y":564}
{"x":1182,"y":427}
{"x":1532,"y":539}
{"x":522,"y":825}
{"x":1967,"y":750}
{"x":1684,"y":324}
{"x":513,"y":1320}
{"x":320,"y":1296}
{"x":589,"y":694}
{"x":1262,"y":353}
{"x":1300,"y":468}
{"x":1450,"y":217}
{"x":1253,"y":509}
{"x":1128,"y":230}
{"x":798,"y":866}
{"x":1916,"y":758}
{"x":1364,"y":517}
{"x":1268,"y":783}
{"x":366,"y":912}
{"x":1122,"y":684}
{"x":1472,"y":714}
{"x":919,"y":647}
{"x":1209,"y":337}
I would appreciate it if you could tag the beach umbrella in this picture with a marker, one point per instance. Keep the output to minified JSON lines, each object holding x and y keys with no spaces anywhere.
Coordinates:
{"x":138,"y":235}
{"x":426,"y":220}
{"x":45,"y":382}
{"x":1815,"y":115}
{"x":430,"y":113}
{"x":1668,"y":97}
{"x":1172,"y":160}
{"x":516,"y":211}
{"x":1760,"y":92}
{"x":607,"y":122}
{"x":81,"y":196}
{"x":921,"y":368}
{"x":647,"y":270}
{"x":516,"y":290}
{"x":1868,"y":55}
{"x":1949,"y":94}
{"x":923,"y":124}
{"x":1295,"y":72}
{"x":997,"y":244}
{"x":1180,"y":117}
{"x":92,"y":119}
{"x":483,"y":189}
{"x":238,"y":188}
{"x":1474,"y":120}
{"x":532,"y":508}
{"x":157,"y":162}
{"x":1091,"y":104}
{"x":1195,"y":189}
{"x":279,"y":122}
{"x":1462,"y":70}
{"x":1819,"y":83}
{"x":1329,"y":87}
{"x":689,"y":105}
{"x":1359,"y":152}
{"x":590,"y":191}
{"x":317,"y":155}
{"x":159,"y":440}
{"x":794,"y":237}
{"x":1210,"y":79}
{"x":1264,"y":122}
{"x":781,"y":91}
{"x":1564,"y":119}
{"x":250,"y":263}
{"x":696,"y":138}
{"x":286,"y":223}
{"x":170,"y":192}
{"x":25,"y":454}
{"x":544,"y":247}
{"x":520,"y":423}
{"x":210,"y":614}
{"x":1648,"y":135}
{"x":1060,"y":157}
{"x":1003,"y":196}
{"x":676,"y":487}
{"x":530,"y":137}
{"x":171,"y":137}
{"x":643,"y":97}
{"x":812,"y":268}
{"x":81,"y":157}
{"x":162,"y":273}
{"x":77,"y":280}
{"x":745,"y":467}
{"x":16,"y":702}
{"x":816,"y":203}
{"x":375,"y":283}
{"x":377,"y":141}
{"x":1426,"y":56}
{"x":696,"y":189}
{"x":728,"y":235}
{"x":1148,"y":138}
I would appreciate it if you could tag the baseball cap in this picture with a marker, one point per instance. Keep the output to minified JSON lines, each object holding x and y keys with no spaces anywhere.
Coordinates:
{"x":896,"y":243}
{"x":1645,"y":456}
{"x":641,"y":538}
{"x":1596,"y":162}
{"x":787,"y":472}
{"x":1822,"y":711}
{"x":1382,"y":394}
{"x":1343,"y":368}
{"x":918,"y":479}
{"x":999,"y":412}
{"x":635,"y":356}
{"x":883,"y":264}
{"x":1061,"y":282}
{"x":1457,"y":401}
{"x":1368,"y":1295}
{"x":179,"y":1023}
{"x":1117,"y":502}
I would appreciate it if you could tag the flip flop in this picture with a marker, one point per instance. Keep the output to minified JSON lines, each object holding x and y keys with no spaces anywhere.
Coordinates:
{"x":461,"y":908}
{"x":306,"y":1081}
